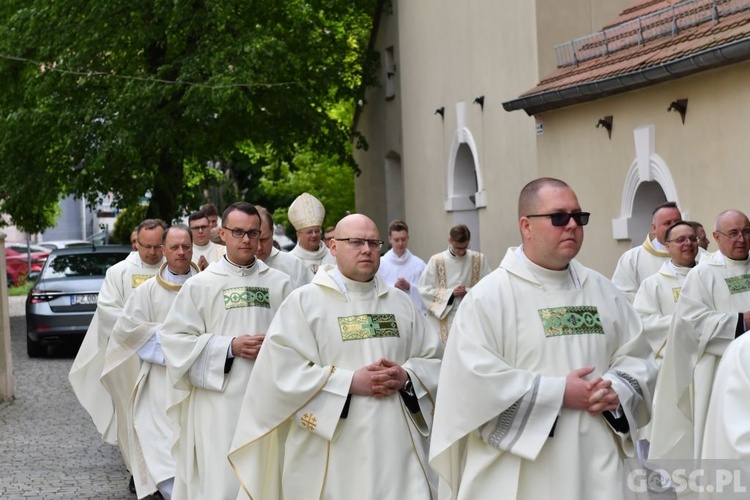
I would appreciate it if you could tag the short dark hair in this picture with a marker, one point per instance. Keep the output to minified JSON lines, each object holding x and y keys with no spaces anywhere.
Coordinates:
{"x":678,"y":223}
{"x":266,"y":215}
{"x":329,"y":229}
{"x":397,"y":225}
{"x":666,"y":204}
{"x":151,"y":224}
{"x":197,"y":215}
{"x":181,"y":227}
{"x":695,"y":224}
{"x":460,"y":234}
{"x":242,"y":206}
{"x":210,"y":209}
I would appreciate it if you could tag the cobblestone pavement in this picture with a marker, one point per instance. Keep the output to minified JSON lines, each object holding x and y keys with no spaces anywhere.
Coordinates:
{"x":49,"y":447}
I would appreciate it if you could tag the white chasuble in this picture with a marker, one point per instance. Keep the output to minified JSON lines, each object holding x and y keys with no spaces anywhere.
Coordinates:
{"x":218,"y":304}
{"x":142,"y":424}
{"x":119,"y":282}
{"x":704,"y":323}
{"x":444,"y":272}
{"x":500,"y":428}
{"x":291,"y":265}
{"x":636,"y":265}
{"x":314,"y":260}
{"x":211,"y":251}
{"x":305,"y":440}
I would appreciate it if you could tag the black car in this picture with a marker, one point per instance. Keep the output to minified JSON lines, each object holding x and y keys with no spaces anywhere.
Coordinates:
{"x":63,"y":300}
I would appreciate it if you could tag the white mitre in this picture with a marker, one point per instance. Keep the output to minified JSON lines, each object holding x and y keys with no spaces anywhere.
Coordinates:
{"x":306,"y":211}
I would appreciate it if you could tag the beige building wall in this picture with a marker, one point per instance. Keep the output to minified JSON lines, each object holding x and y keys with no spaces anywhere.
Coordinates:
{"x":448,"y":54}
{"x":707,"y":157}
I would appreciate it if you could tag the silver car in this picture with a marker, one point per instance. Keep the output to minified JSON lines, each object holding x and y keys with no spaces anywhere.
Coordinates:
{"x":60,"y":306}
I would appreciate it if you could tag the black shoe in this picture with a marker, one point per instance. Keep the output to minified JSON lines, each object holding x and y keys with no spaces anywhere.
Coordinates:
{"x":131,"y":486}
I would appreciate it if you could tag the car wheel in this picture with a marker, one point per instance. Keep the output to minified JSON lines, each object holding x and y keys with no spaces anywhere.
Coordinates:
{"x":35,"y":349}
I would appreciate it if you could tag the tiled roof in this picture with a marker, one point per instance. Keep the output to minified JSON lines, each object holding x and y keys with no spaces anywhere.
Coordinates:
{"x":648,"y":34}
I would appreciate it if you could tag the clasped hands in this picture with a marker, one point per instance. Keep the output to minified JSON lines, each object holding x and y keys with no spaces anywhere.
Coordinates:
{"x":380,"y":379}
{"x":594,"y":396}
{"x":247,"y":346}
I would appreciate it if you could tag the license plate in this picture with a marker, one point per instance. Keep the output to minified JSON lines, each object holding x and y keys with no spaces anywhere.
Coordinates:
{"x":83,"y":299}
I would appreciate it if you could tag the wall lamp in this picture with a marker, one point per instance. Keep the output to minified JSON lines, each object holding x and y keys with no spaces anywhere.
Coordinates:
{"x":606,"y":122}
{"x":680,"y":105}
{"x":480,"y":100}
{"x":440,"y":111}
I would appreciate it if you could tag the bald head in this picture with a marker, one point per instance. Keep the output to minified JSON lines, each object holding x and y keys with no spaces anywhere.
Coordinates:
{"x":528,"y":200}
{"x":357,"y":247}
{"x":726,"y":215}
{"x":732,"y":234}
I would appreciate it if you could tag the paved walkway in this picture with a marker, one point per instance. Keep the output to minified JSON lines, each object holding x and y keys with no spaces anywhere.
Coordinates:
{"x":49,"y":448}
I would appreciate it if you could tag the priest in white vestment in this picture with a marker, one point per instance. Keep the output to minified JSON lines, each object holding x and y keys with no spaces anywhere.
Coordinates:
{"x":271,"y":256}
{"x":205,"y":251}
{"x":448,"y":277}
{"x":347,"y":378}
{"x":399,"y":267}
{"x":137,"y":336}
{"x":546,"y":374}
{"x":643,"y":261}
{"x":713,"y":309}
{"x":658,"y":294}
{"x":306,"y":214}
{"x":211,"y":337}
{"x":119,"y":282}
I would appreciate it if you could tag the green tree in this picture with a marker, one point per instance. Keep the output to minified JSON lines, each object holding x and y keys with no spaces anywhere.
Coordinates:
{"x":144,"y":96}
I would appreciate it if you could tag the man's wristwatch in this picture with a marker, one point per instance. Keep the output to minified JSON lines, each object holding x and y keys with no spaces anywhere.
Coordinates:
{"x":408,"y":388}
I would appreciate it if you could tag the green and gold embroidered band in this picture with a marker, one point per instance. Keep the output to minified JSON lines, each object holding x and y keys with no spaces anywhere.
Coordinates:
{"x":368,"y":326}
{"x":676,"y":293}
{"x":573,"y":320}
{"x":738,"y":284}
{"x":138,"y":279}
{"x":246,"y":296}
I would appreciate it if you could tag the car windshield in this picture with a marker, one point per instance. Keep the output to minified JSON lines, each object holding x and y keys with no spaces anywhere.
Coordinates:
{"x":80,"y":264}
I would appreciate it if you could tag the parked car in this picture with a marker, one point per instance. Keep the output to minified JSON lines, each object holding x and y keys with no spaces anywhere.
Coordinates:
{"x":17,"y":265}
{"x":60,"y":306}
{"x":54,"y":244}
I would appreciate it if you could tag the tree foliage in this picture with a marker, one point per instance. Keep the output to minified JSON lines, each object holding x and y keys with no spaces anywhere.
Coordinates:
{"x":144,"y":96}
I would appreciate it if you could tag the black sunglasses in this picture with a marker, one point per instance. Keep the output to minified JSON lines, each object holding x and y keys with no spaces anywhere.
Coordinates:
{"x":560,"y":219}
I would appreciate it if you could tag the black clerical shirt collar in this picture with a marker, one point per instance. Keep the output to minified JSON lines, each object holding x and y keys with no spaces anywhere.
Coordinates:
{"x":239,"y":266}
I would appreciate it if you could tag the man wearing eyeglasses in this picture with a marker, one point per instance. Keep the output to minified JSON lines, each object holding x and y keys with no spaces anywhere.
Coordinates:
{"x":211,"y":337}
{"x":347,"y":377}
{"x":640,"y":262}
{"x":713,"y":310}
{"x":547,"y":374}
{"x":205,"y":251}
{"x":119,"y":282}
{"x":136,"y":371}
{"x":306,"y":214}
{"x":448,"y":277}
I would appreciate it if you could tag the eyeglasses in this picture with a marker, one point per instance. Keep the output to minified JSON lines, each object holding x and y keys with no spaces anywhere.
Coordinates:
{"x":735,"y":235}
{"x":253,"y":234}
{"x":358,"y":243}
{"x":683,"y":239}
{"x":149,"y":247}
{"x":200,"y":229}
{"x":560,"y":219}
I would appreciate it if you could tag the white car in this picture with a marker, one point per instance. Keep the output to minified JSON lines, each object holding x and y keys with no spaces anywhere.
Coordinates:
{"x":53,"y":245}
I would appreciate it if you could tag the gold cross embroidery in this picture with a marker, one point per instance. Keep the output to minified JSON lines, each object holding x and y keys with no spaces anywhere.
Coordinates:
{"x":309,"y":421}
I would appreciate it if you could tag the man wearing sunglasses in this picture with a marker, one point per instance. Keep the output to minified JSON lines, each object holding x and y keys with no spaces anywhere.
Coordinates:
{"x":640,"y":262}
{"x":712,"y":311}
{"x":448,"y":277}
{"x":211,"y":338}
{"x":306,"y":214}
{"x":347,"y":375}
{"x":547,"y":374}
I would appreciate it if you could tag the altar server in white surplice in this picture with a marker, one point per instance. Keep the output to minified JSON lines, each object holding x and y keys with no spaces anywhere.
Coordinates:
{"x":306,"y":214}
{"x":137,"y":336}
{"x":546,"y":374}
{"x":346,"y":380}
{"x":399,"y":267}
{"x":657,"y":295}
{"x":713,"y":310}
{"x":211,"y":337}
{"x":448,"y":277}
{"x":119,"y":282}
{"x":205,"y":251}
